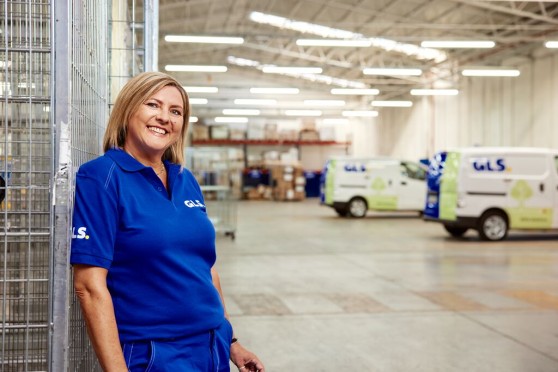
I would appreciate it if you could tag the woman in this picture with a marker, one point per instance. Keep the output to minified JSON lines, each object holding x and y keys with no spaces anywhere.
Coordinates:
{"x":143,"y":248}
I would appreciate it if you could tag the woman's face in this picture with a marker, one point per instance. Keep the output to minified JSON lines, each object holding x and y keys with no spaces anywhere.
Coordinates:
{"x":156,"y":125}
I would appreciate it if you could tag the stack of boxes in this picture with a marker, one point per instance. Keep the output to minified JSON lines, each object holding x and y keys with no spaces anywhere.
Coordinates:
{"x":289,"y":182}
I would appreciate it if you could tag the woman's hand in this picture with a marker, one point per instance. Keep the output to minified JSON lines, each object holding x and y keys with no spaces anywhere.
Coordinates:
{"x":245,"y":360}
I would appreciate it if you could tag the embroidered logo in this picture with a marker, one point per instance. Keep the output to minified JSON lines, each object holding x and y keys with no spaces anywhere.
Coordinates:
{"x":193,"y":203}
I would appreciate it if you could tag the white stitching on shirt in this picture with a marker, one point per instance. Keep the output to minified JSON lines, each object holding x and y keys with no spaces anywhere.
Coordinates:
{"x":109,"y":175}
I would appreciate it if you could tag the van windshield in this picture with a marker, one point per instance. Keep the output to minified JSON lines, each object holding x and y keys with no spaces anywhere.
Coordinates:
{"x":413,"y":170}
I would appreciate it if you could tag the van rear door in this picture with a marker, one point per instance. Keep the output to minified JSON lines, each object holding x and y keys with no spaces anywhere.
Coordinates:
{"x":411,"y":186}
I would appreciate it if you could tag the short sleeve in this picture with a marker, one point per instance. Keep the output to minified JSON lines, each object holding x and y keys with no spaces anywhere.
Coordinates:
{"x":95,"y":221}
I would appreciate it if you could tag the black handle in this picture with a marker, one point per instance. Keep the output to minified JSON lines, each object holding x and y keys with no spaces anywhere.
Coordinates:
{"x":541,"y":187}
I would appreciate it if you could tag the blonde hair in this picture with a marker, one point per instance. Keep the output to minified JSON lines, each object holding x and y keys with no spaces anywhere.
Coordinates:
{"x":134,"y":93}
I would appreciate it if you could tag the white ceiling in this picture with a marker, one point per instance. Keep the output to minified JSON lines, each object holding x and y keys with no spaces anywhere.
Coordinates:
{"x":519,"y":29}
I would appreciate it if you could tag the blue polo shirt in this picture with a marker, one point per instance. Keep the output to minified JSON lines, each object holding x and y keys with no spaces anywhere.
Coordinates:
{"x":157,"y":246}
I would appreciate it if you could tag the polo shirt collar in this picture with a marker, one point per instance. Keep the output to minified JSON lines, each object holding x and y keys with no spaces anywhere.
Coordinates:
{"x":124,"y":160}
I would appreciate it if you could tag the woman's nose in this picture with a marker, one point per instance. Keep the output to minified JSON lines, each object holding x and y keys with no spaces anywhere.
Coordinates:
{"x":163,"y":116}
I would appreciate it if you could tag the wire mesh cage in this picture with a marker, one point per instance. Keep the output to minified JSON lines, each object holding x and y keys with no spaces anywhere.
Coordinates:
{"x":25,"y":169}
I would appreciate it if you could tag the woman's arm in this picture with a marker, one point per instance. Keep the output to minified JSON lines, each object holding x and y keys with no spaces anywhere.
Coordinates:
{"x":244,"y":359}
{"x":90,"y":284}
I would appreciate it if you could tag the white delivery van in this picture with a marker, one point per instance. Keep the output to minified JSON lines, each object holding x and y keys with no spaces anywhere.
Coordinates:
{"x":496,"y":189}
{"x":352,"y":186}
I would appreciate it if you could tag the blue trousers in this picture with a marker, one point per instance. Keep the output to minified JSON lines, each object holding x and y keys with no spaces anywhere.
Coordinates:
{"x":206,"y":352}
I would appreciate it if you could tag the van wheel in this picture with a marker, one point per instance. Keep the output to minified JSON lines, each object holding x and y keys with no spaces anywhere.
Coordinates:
{"x":357,"y":207}
{"x":493,"y":226}
{"x":455,"y":231}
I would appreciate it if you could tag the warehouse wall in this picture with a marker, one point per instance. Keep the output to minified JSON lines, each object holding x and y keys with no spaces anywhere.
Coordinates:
{"x":491,"y":111}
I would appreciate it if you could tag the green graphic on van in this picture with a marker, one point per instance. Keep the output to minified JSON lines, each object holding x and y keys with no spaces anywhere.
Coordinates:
{"x":530,"y":218}
{"x":378,"y":185}
{"x":521,"y":191}
{"x":448,"y":187}
{"x":522,"y":217}
{"x":381,"y":202}
{"x":329,"y":182}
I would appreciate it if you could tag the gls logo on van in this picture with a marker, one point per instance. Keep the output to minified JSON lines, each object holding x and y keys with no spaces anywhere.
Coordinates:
{"x":81,"y":233}
{"x":488,"y":165}
{"x":355,"y":168}
{"x":193,"y":203}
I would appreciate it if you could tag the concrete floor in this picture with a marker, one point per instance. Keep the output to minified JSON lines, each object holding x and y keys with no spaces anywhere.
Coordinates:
{"x":309,"y":291}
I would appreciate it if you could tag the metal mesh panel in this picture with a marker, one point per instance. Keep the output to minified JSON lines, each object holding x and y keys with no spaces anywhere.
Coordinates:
{"x":88,"y":117}
{"x":25,"y":166}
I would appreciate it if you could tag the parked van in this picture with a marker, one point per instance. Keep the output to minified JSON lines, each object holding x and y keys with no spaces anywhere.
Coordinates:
{"x":352,"y":186}
{"x":493,"y":190}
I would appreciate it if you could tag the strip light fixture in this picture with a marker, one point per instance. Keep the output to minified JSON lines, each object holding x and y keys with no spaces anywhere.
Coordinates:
{"x":551,"y":44}
{"x":458,"y":44}
{"x":303,"y":113}
{"x":256,"y":102}
{"x":355,"y":91}
{"x":291,"y":70}
{"x":392,"y":103}
{"x":354,"y":43}
{"x":392,"y":71}
{"x":198,"y":101}
{"x":195,"y":68}
{"x":201,"y":89}
{"x":329,"y":80}
{"x":193,"y":119}
{"x":203,"y":39}
{"x":324,"y":102}
{"x":249,"y":112}
{"x":274,"y":90}
{"x":434,"y":92}
{"x":412,"y":50}
{"x":230,"y":119}
{"x":491,"y":72}
{"x":360,"y":113}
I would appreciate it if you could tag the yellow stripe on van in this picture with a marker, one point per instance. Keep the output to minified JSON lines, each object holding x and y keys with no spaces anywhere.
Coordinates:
{"x":330,"y":182}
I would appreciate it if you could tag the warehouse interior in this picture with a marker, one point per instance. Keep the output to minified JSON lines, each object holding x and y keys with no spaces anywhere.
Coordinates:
{"x":279,"y":88}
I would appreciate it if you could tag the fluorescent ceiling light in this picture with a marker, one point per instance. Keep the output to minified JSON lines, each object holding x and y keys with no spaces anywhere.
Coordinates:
{"x":490,"y":72}
{"x":203,"y":39}
{"x":195,"y":68}
{"x":193,"y":119}
{"x":458,"y":44}
{"x":328,"y":32}
{"x":551,"y":44}
{"x":259,"y":102}
{"x":274,"y":90}
{"x":198,"y":101}
{"x":324,"y":102}
{"x":355,"y":91}
{"x":335,"y":121}
{"x":303,"y":113}
{"x":296,"y":70}
{"x":228,"y":119}
{"x":329,"y":80}
{"x":392,"y":103}
{"x":201,"y":89}
{"x":434,"y":92}
{"x":392,"y":71}
{"x":250,"y":112}
{"x":363,"y":43}
{"x":362,"y":114}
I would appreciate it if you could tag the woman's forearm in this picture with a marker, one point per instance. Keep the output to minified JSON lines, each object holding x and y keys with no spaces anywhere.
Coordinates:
{"x":98,"y":311}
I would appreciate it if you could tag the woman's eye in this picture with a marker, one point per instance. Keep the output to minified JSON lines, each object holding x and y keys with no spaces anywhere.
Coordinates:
{"x":176,"y":112}
{"x":151,"y":104}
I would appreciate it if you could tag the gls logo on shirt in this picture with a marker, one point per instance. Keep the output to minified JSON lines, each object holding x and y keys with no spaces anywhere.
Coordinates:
{"x":193,"y":203}
{"x":81,"y":233}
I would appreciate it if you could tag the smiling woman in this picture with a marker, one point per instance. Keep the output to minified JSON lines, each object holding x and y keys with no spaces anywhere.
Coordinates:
{"x":127,"y":267}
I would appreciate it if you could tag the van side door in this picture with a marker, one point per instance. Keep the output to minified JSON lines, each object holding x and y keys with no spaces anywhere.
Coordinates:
{"x":411,"y":186}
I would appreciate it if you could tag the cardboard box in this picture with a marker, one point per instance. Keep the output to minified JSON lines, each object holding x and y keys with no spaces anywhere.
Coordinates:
{"x":309,"y":135}
{"x":219,"y":132}
{"x":200,"y":132}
